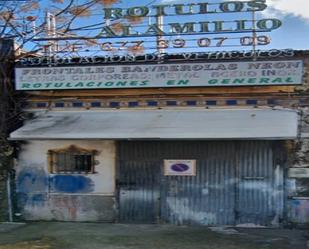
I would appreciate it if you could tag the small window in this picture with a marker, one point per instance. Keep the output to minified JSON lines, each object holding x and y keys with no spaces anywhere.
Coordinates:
{"x":71,"y":160}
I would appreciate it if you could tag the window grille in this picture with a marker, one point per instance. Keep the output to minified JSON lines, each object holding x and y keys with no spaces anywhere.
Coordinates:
{"x":71,"y":160}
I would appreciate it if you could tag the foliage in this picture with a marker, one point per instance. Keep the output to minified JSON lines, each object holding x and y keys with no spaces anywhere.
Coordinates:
{"x":26,"y":21}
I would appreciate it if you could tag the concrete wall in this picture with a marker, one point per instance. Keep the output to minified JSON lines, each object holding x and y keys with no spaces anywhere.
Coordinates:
{"x":76,"y":197}
{"x":297,"y":183}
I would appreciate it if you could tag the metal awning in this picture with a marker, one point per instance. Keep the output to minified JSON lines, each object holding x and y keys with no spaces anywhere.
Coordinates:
{"x":162,"y":124}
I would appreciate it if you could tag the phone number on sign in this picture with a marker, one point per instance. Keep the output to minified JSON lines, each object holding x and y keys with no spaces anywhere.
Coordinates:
{"x":182,"y":43}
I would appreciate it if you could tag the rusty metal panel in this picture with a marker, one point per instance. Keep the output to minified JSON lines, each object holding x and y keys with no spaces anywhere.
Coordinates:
{"x":138,"y":183}
{"x":207,"y":198}
{"x":236,"y":182}
{"x":260,"y":184}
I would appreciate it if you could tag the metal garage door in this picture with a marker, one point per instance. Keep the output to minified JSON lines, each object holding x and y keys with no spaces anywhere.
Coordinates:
{"x":235,"y":183}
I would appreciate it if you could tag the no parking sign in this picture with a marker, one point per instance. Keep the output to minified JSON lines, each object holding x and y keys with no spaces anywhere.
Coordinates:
{"x":179,"y":167}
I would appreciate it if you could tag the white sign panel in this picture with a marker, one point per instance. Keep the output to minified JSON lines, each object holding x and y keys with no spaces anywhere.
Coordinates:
{"x":299,"y":172}
{"x":180,"y":167}
{"x":253,"y":73}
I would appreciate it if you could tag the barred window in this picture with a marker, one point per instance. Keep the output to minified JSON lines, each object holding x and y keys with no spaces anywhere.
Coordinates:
{"x":71,"y":160}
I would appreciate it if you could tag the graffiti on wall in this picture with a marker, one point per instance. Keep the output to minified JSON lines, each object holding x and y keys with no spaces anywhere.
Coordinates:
{"x":300,"y":211}
{"x":34,"y":184}
{"x":71,"y":184}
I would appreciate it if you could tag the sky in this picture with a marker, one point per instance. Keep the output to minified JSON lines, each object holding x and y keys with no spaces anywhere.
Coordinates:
{"x":294,"y":15}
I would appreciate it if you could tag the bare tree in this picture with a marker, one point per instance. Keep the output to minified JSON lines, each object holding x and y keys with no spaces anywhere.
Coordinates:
{"x":21,"y":22}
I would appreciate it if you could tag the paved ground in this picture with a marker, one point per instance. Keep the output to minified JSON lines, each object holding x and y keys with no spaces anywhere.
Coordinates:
{"x":59,"y":235}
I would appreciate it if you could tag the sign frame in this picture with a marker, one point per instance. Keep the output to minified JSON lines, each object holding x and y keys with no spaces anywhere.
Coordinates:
{"x":182,"y":167}
{"x":165,"y":75}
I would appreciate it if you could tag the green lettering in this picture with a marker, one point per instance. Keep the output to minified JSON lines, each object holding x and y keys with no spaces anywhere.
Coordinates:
{"x":183,"y":82}
{"x":154,"y":30}
{"x":37,"y":85}
{"x":204,"y":26}
{"x":79,"y":84}
{"x":127,"y":30}
{"x":109,"y":83}
{"x":177,"y":28}
{"x":107,"y":32}
{"x":213,"y":82}
{"x":234,"y":6}
{"x":264,"y":80}
{"x":58,"y":85}
{"x":160,"y":9}
{"x":277,"y":80}
{"x":139,"y":11}
{"x":179,"y":9}
{"x":219,"y":26}
{"x":170,"y":82}
{"x":269,"y":24}
{"x":238,"y":81}
{"x":113,"y":13}
{"x":225,"y":81}
{"x":133,"y":83}
{"x":25,"y":85}
{"x":256,"y":5}
{"x":144,"y":83}
{"x":241,"y":25}
{"x":90,"y":84}
{"x":121,"y":83}
{"x":252,"y":80}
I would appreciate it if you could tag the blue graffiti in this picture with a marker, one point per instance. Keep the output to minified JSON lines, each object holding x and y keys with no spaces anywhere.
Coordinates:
{"x":38,"y":198}
{"x":32,"y":179}
{"x":32,"y":186}
{"x":31,"y":199}
{"x":296,"y":202}
{"x":71,"y":184}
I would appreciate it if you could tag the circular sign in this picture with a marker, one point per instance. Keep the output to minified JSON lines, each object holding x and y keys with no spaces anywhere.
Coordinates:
{"x":180,"y":167}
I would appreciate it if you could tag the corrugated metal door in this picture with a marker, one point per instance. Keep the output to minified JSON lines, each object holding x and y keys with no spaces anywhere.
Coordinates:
{"x":229,"y":176}
{"x":138,"y":182}
{"x":207,"y":198}
{"x":260,"y":183}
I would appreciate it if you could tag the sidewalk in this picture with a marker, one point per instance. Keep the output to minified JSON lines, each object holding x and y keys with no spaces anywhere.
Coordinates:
{"x":60,"y":235}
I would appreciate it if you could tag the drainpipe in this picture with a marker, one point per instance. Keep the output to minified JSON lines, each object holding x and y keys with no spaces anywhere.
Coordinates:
{"x":9,"y":196}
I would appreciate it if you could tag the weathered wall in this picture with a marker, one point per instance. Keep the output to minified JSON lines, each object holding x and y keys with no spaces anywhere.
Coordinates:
{"x":76,"y":197}
{"x":298,"y":176}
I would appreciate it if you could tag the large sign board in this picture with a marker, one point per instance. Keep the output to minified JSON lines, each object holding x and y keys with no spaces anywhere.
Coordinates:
{"x":250,"y":73}
{"x":179,"y":26}
{"x":191,"y":27}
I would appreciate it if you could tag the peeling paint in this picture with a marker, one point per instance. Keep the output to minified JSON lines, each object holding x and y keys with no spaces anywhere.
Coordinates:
{"x":183,"y":209}
{"x":77,"y":197}
{"x":32,"y":179}
{"x":67,"y":206}
{"x":32,"y":186}
{"x":300,"y":211}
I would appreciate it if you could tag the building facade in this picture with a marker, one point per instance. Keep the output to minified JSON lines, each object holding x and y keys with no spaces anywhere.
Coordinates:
{"x":226,"y":150}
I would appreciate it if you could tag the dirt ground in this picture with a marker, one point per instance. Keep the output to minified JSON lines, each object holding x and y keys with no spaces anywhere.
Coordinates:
{"x":60,"y":235}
